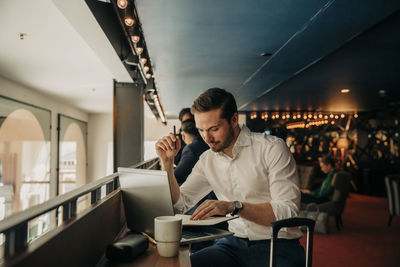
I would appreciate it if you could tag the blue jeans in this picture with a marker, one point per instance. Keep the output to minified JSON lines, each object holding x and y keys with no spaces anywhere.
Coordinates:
{"x":236,"y":252}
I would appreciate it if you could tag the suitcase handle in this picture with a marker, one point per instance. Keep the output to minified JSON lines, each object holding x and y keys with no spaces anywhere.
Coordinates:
{"x":292,"y":222}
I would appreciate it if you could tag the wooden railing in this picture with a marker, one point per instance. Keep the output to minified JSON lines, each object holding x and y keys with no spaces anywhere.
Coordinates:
{"x":15,"y":227}
{"x":17,"y":249}
{"x":151,"y":164}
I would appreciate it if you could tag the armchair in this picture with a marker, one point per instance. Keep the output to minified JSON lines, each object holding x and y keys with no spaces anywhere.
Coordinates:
{"x":335,"y":207}
{"x":392,"y":185}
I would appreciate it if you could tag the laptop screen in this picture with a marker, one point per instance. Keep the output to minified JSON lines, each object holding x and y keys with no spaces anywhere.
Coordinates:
{"x":146,"y":195}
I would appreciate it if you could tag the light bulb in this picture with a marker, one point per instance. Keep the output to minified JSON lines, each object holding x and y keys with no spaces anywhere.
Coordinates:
{"x":129,"y":21}
{"x":139,"y":50}
{"x":143,"y":60}
{"x":122,"y":4}
{"x":135,"y":38}
{"x":146,"y":68}
{"x":148,"y":75}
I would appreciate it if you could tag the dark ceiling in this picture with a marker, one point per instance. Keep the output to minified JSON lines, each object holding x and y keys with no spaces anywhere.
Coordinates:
{"x":317,"y":47}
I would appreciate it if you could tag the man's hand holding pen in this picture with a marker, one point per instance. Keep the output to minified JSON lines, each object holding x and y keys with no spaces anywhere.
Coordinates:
{"x":167,"y":148}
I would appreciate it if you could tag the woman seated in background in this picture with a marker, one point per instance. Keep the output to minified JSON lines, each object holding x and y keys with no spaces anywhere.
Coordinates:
{"x":325,"y":192}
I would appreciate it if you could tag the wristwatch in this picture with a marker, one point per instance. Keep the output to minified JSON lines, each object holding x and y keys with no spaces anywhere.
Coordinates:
{"x":237,"y":206}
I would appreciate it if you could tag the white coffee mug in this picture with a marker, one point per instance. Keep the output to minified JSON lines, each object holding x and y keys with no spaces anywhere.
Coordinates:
{"x":168,"y":234}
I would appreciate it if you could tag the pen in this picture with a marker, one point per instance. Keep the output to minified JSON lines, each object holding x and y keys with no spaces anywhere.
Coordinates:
{"x":150,"y":238}
{"x":175,"y":136}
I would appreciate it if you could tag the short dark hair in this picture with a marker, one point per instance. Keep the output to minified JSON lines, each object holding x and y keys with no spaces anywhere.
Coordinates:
{"x":189,"y":126}
{"x":215,"y":98}
{"x":183,"y":112}
{"x":327,"y":159}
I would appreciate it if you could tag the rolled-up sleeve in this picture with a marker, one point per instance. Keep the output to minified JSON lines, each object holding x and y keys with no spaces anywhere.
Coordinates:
{"x":283,"y":181}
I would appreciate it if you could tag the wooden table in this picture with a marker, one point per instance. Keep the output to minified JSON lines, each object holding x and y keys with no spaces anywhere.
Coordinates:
{"x":151,"y":258}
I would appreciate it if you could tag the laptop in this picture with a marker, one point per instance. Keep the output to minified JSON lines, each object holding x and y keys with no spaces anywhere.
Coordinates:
{"x":146,"y":195}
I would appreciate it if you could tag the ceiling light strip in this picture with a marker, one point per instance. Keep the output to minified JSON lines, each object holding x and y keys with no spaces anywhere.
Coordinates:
{"x":126,"y":33}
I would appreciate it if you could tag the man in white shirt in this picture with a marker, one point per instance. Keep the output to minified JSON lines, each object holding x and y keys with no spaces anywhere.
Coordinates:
{"x":253,"y":176}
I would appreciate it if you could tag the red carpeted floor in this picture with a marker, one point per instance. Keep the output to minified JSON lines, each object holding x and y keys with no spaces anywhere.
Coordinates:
{"x":365,"y":240}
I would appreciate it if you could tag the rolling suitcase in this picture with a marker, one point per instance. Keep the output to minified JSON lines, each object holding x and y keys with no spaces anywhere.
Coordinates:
{"x":292,"y":222}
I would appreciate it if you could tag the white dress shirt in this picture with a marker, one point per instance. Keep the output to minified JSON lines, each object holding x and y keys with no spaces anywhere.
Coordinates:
{"x":262,"y":170}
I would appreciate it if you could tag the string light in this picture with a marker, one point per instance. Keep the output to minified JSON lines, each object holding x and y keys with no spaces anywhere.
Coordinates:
{"x":253,"y":115}
{"x":158,"y":106}
{"x":135,"y":35}
{"x":294,"y":125}
{"x":129,"y":21}
{"x":122,"y":4}
{"x":264,"y":116}
{"x":135,"y":38}
{"x":143,"y":60}
{"x":131,"y":25}
{"x":139,"y":50}
{"x":310,"y":118}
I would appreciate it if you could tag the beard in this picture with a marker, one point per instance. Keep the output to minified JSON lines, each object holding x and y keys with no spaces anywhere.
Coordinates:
{"x":227,"y":142}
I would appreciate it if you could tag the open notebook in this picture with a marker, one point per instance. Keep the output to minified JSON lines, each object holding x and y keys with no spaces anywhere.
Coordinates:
{"x":146,"y":195}
{"x":210,"y":221}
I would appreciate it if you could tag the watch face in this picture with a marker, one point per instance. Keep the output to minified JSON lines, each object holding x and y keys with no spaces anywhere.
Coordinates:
{"x":238,"y":205}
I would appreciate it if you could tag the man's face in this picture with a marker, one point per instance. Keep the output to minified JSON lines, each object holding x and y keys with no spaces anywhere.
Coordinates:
{"x":216,"y":131}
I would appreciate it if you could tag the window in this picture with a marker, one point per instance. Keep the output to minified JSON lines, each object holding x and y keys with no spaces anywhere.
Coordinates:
{"x":24,"y":160}
{"x":72,"y":156}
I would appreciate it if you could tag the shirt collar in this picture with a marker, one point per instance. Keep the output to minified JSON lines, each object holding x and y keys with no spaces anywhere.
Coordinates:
{"x":242,"y":140}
